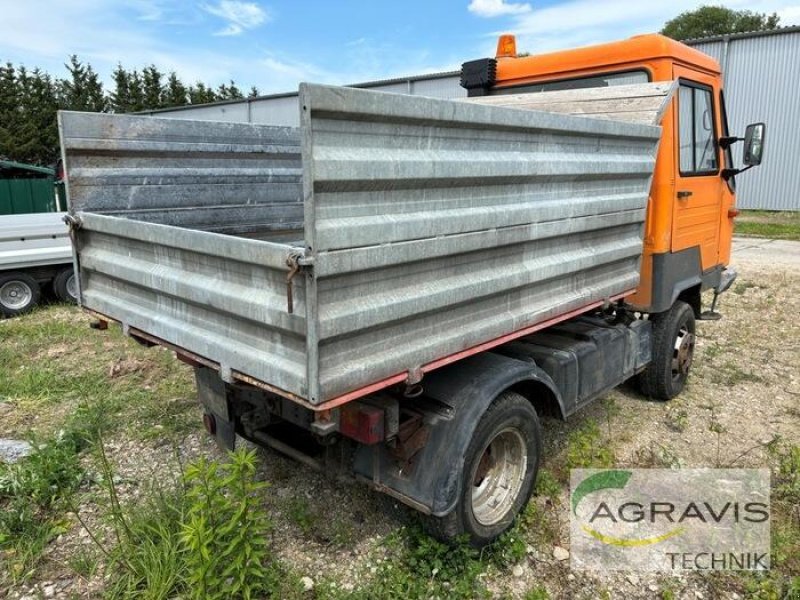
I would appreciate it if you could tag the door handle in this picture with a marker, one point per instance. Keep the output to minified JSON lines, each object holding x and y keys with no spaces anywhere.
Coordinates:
{"x":684,"y":194}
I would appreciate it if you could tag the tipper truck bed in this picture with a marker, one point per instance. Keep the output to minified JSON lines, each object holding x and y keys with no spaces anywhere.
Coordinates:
{"x":403,"y":281}
{"x":388,"y":233}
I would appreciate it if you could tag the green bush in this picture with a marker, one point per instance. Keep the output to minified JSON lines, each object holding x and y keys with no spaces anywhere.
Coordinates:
{"x":225,"y":533}
{"x":205,"y":538}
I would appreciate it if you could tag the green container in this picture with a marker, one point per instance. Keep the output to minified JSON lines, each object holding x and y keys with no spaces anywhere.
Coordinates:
{"x":29,"y":189}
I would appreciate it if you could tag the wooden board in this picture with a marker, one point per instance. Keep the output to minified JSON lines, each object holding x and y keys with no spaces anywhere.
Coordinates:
{"x":637,"y":103}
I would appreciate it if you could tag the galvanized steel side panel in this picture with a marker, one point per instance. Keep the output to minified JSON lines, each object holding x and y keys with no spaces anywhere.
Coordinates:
{"x":225,"y":177}
{"x":218,"y":296}
{"x":437,"y":226}
{"x":33,"y":240}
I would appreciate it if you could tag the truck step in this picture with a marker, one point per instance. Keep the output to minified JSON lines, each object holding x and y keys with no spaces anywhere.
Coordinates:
{"x":709,"y":315}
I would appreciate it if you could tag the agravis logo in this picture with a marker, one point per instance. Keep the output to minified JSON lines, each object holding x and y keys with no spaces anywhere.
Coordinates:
{"x":670,"y":519}
{"x":612,"y":480}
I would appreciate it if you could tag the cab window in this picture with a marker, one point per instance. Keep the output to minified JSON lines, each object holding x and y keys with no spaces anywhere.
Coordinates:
{"x":697,"y":140}
{"x":577,"y":83}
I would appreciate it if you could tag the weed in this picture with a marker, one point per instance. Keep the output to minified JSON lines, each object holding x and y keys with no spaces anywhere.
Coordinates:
{"x":547,"y":485}
{"x":204,"y":537}
{"x":658,"y":457}
{"x":299,"y":511}
{"x":84,"y":563}
{"x":731,"y":374}
{"x":586,"y":449}
{"x":677,"y":419}
{"x":742,"y":287}
{"x":539,"y":523}
{"x":32,"y":492}
{"x":537,"y":592}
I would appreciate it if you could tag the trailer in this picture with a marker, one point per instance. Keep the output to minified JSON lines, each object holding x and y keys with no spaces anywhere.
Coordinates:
{"x":35,"y":251}
{"x":401,"y":286}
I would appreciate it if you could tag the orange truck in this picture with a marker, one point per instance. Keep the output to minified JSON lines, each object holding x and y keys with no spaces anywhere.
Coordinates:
{"x":399,"y":288}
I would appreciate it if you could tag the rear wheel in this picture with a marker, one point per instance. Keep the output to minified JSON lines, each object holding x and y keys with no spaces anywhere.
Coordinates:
{"x":65,"y":285}
{"x":19,"y":292}
{"x":499,"y":472}
{"x":673,"y":352}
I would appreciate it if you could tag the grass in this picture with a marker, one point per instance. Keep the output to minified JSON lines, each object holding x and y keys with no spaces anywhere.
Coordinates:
{"x":34,"y":493}
{"x":51,"y":362}
{"x":769,"y":224}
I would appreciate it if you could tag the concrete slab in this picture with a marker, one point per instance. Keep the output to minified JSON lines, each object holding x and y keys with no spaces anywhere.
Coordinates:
{"x":778,"y":254}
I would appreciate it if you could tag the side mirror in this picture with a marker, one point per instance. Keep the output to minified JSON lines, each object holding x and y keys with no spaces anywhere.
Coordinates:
{"x":753,"y":144}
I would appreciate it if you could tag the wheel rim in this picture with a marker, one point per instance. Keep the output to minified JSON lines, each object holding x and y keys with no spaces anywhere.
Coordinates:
{"x":498,"y":477}
{"x":683,"y":352}
{"x":16,"y":295}
{"x":72,"y":287}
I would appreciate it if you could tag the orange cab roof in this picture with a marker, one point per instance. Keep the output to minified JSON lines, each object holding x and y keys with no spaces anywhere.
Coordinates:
{"x":633,"y":50}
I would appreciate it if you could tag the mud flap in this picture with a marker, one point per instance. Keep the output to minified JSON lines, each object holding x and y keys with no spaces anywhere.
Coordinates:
{"x":213,"y":395}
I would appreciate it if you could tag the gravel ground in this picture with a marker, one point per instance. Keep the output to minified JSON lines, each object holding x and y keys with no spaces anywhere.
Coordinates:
{"x":746,"y":379}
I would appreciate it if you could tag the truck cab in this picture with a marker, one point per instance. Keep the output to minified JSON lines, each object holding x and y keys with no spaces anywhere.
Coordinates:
{"x":692,"y":205}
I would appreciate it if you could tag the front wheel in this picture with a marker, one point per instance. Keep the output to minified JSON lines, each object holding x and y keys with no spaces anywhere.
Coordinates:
{"x":499,"y":472}
{"x":673,"y":352}
{"x":19,"y":293}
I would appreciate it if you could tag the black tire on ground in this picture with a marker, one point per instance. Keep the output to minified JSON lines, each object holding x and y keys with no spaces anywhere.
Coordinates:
{"x":673,"y":351}
{"x":506,"y":444}
{"x":19,"y":292}
{"x":64,"y":286}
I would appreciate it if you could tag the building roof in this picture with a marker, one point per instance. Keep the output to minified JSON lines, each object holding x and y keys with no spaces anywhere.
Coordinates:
{"x":743,"y":35}
{"x":11,"y":165}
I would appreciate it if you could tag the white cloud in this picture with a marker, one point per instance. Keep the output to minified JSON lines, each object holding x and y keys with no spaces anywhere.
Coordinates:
{"x":238,"y":15}
{"x":497,"y":8}
{"x":790,"y":15}
{"x":582,"y":22}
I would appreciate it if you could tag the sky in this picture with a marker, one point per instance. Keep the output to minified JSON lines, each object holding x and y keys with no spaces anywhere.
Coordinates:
{"x":275,"y":44}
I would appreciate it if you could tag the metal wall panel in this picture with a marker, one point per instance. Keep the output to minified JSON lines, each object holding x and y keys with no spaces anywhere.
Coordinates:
{"x":227,"y":177}
{"x":221,"y":297}
{"x":761,"y":84}
{"x":444,"y":87}
{"x":438,"y":226}
{"x":33,"y":240}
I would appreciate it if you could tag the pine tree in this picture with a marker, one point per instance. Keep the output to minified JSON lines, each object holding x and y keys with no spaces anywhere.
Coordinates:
{"x":83,"y":90}
{"x":176,"y":93}
{"x":253,"y":92}
{"x":135,"y":92}
{"x":200,"y":94}
{"x":120,"y":98}
{"x":9,"y":103}
{"x":152,"y":87}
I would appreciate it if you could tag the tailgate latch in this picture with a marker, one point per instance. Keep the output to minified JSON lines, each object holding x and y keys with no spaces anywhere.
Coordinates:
{"x":295,"y":262}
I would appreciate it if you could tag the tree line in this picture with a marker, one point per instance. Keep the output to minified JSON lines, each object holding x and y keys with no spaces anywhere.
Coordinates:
{"x":29,"y":100}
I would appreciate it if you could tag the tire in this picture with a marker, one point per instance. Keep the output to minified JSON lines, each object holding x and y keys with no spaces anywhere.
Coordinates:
{"x":510,"y":430}
{"x":673,"y":351}
{"x":65,"y":286}
{"x":19,"y":293}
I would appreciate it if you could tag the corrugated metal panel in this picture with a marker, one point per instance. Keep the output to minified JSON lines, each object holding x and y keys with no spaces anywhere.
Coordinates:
{"x":445,"y":87}
{"x":433,"y":226}
{"x":33,"y":240}
{"x":230,"y":177}
{"x":437,"y":226}
{"x":222,"y":297}
{"x":761,"y":84}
